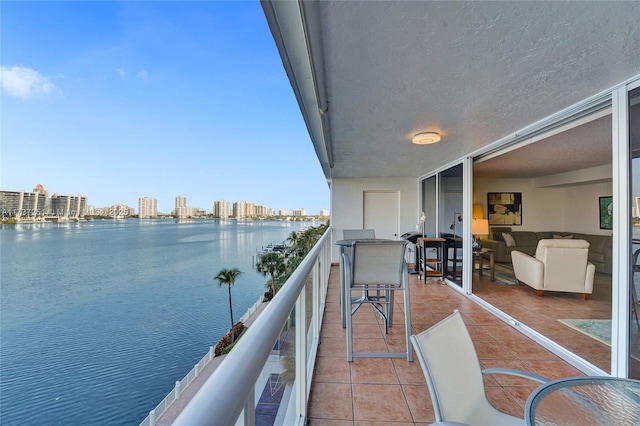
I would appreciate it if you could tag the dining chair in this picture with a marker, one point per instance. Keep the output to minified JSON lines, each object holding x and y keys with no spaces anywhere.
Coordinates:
{"x":376,"y":267}
{"x":451,"y":368}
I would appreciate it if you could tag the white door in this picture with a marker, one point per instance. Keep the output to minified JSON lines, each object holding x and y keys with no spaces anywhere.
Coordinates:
{"x":381,"y":213}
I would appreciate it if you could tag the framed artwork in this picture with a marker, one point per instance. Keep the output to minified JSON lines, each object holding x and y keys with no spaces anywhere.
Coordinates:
{"x":505,"y":208}
{"x":606,"y":212}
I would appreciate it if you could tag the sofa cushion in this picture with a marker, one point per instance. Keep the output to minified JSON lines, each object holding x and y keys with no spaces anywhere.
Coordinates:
{"x":508,"y":239}
{"x":595,"y":257}
{"x":525,"y":238}
{"x":545,"y":235}
{"x":498,"y":236}
{"x":597,"y":242}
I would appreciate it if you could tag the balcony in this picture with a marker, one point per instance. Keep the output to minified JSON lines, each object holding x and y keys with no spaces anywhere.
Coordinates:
{"x":394,"y":390}
{"x":329,"y":390}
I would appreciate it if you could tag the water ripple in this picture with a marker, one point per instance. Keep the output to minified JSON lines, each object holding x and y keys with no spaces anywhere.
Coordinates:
{"x":99,"y":321}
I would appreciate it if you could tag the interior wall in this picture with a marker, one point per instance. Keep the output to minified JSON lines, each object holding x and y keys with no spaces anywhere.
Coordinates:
{"x":582,"y":208}
{"x":572,"y":208}
{"x":347,"y":210}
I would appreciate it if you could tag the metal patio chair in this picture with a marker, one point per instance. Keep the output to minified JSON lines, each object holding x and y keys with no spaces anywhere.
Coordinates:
{"x":454,"y":377}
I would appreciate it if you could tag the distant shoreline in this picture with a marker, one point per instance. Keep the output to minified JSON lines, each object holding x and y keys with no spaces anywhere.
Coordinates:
{"x":171,"y":218}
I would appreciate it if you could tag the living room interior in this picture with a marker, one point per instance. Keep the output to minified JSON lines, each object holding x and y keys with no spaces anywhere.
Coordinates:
{"x":560,"y":178}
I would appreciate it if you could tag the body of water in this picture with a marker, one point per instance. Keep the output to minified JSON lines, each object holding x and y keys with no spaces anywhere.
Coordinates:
{"x":99,"y":319}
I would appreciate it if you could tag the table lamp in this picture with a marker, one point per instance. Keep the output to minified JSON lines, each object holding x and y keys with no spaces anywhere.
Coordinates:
{"x":479,"y":227}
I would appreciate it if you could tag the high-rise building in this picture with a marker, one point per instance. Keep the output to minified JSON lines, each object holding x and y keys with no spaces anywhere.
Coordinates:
{"x":239,"y":209}
{"x":301,"y":212}
{"x":68,"y":206}
{"x":221,"y":209}
{"x":147,"y":207}
{"x":324,"y":213}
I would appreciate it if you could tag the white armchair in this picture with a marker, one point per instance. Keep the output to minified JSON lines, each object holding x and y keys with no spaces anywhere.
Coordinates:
{"x":559,"y":265}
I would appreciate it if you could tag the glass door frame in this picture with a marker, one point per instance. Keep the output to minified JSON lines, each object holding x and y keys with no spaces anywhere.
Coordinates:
{"x":622,"y":265}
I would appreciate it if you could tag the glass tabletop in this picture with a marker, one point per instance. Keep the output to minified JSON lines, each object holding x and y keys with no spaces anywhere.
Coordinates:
{"x":585,"y":401}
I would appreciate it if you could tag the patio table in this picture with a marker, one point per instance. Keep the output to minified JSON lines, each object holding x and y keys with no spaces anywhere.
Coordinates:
{"x":600,"y":400}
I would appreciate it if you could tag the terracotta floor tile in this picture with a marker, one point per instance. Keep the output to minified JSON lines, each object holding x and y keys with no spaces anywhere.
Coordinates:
{"x":409,"y":372}
{"x":490,"y":349}
{"x":520,"y":393}
{"x":553,"y":369}
{"x":380,"y":402}
{"x":369,"y":345}
{"x":332,"y":346}
{"x":419,"y":402}
{"x":331,"y":401}
{"x":504,"y":402}
{"x":373,"y":370}
{"x":528,"y":350}
{"x":331,"y":370}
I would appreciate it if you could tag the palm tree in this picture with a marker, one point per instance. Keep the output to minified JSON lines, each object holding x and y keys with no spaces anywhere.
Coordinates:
{"x":228,"y":277}
{"x":293,"y":239}
{"x":271,"y":263}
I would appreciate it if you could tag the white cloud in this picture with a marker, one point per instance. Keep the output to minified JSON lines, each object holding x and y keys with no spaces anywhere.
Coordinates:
{"x":24,"y":82}
{"x":143,"y":75}
{"x":121,"y":72}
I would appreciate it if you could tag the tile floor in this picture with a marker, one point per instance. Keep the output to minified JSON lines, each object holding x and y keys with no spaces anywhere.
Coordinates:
{"x":372,"y":391}
{"x":542,"y":313}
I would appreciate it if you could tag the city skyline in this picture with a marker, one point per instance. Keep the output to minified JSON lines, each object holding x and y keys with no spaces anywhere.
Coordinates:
{"x":153,"y":98}
{"x":37,"y":203}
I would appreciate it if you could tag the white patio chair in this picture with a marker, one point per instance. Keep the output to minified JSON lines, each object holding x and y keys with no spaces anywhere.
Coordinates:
{"x":376,"y":266}
{"x":350,"y":234}
{"x":358,"y":234}
{"x":452,"y":370}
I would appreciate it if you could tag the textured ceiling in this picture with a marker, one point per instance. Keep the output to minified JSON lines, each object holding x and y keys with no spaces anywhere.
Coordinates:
{"x":474,"y":71}
{"x":588,"y":145}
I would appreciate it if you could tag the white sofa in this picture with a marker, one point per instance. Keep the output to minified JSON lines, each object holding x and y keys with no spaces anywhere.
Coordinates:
{"x":559,"y":265}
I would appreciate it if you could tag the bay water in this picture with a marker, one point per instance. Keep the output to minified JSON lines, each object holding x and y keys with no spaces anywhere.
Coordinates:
{"x":98,"y":319}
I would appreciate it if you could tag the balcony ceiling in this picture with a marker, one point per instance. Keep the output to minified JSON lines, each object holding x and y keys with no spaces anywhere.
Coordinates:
{"x":369,"y":75}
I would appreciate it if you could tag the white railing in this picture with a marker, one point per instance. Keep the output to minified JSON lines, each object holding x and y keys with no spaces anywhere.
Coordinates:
{"x":231,"y":389}
{"x":181,"y":385}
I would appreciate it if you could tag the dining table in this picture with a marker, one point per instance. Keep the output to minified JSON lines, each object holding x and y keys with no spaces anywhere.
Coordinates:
{"x":587,"y":400}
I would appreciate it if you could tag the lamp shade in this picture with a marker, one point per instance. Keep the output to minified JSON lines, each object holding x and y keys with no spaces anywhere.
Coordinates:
{"x":477,"y":211}
{"x":480,"y":226}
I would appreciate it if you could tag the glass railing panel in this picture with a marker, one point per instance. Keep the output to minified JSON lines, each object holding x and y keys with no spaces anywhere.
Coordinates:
{"x":273,"y":390}
{"x":263,"y":363}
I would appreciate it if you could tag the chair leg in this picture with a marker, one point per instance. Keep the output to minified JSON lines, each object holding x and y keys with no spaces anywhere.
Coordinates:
{"x":348,"y":322}
{"x":407,"y":320}
{"x":539,"y":293}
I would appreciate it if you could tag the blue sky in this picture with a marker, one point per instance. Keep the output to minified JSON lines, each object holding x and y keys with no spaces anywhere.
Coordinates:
{"x":120,"y":100}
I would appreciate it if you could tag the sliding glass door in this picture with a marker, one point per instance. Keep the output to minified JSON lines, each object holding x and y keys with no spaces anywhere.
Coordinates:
{"x":634,"y":273}
{"x":451,"y":221}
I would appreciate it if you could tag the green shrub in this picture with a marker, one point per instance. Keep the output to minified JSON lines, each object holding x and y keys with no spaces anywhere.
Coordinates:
{"x":229,"y":339}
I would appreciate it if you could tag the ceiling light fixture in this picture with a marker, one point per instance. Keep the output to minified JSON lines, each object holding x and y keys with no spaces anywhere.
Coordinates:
{"x":426,"y":138}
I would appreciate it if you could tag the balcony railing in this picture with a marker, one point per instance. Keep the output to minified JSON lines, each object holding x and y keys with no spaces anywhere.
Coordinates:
{"x":269,"y":371}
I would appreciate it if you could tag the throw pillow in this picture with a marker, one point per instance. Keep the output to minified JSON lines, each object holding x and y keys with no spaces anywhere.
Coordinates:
{"x":508,"y":240}
{"x":560,"y":237}
{"x":498,"y":236}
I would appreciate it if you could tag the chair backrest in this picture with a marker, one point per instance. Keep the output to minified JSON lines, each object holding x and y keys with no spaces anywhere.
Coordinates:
{"x":451,"y":367}
{"x":378,"y":263}
{"x":565,"y":261}
{"x":354,"y":234}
